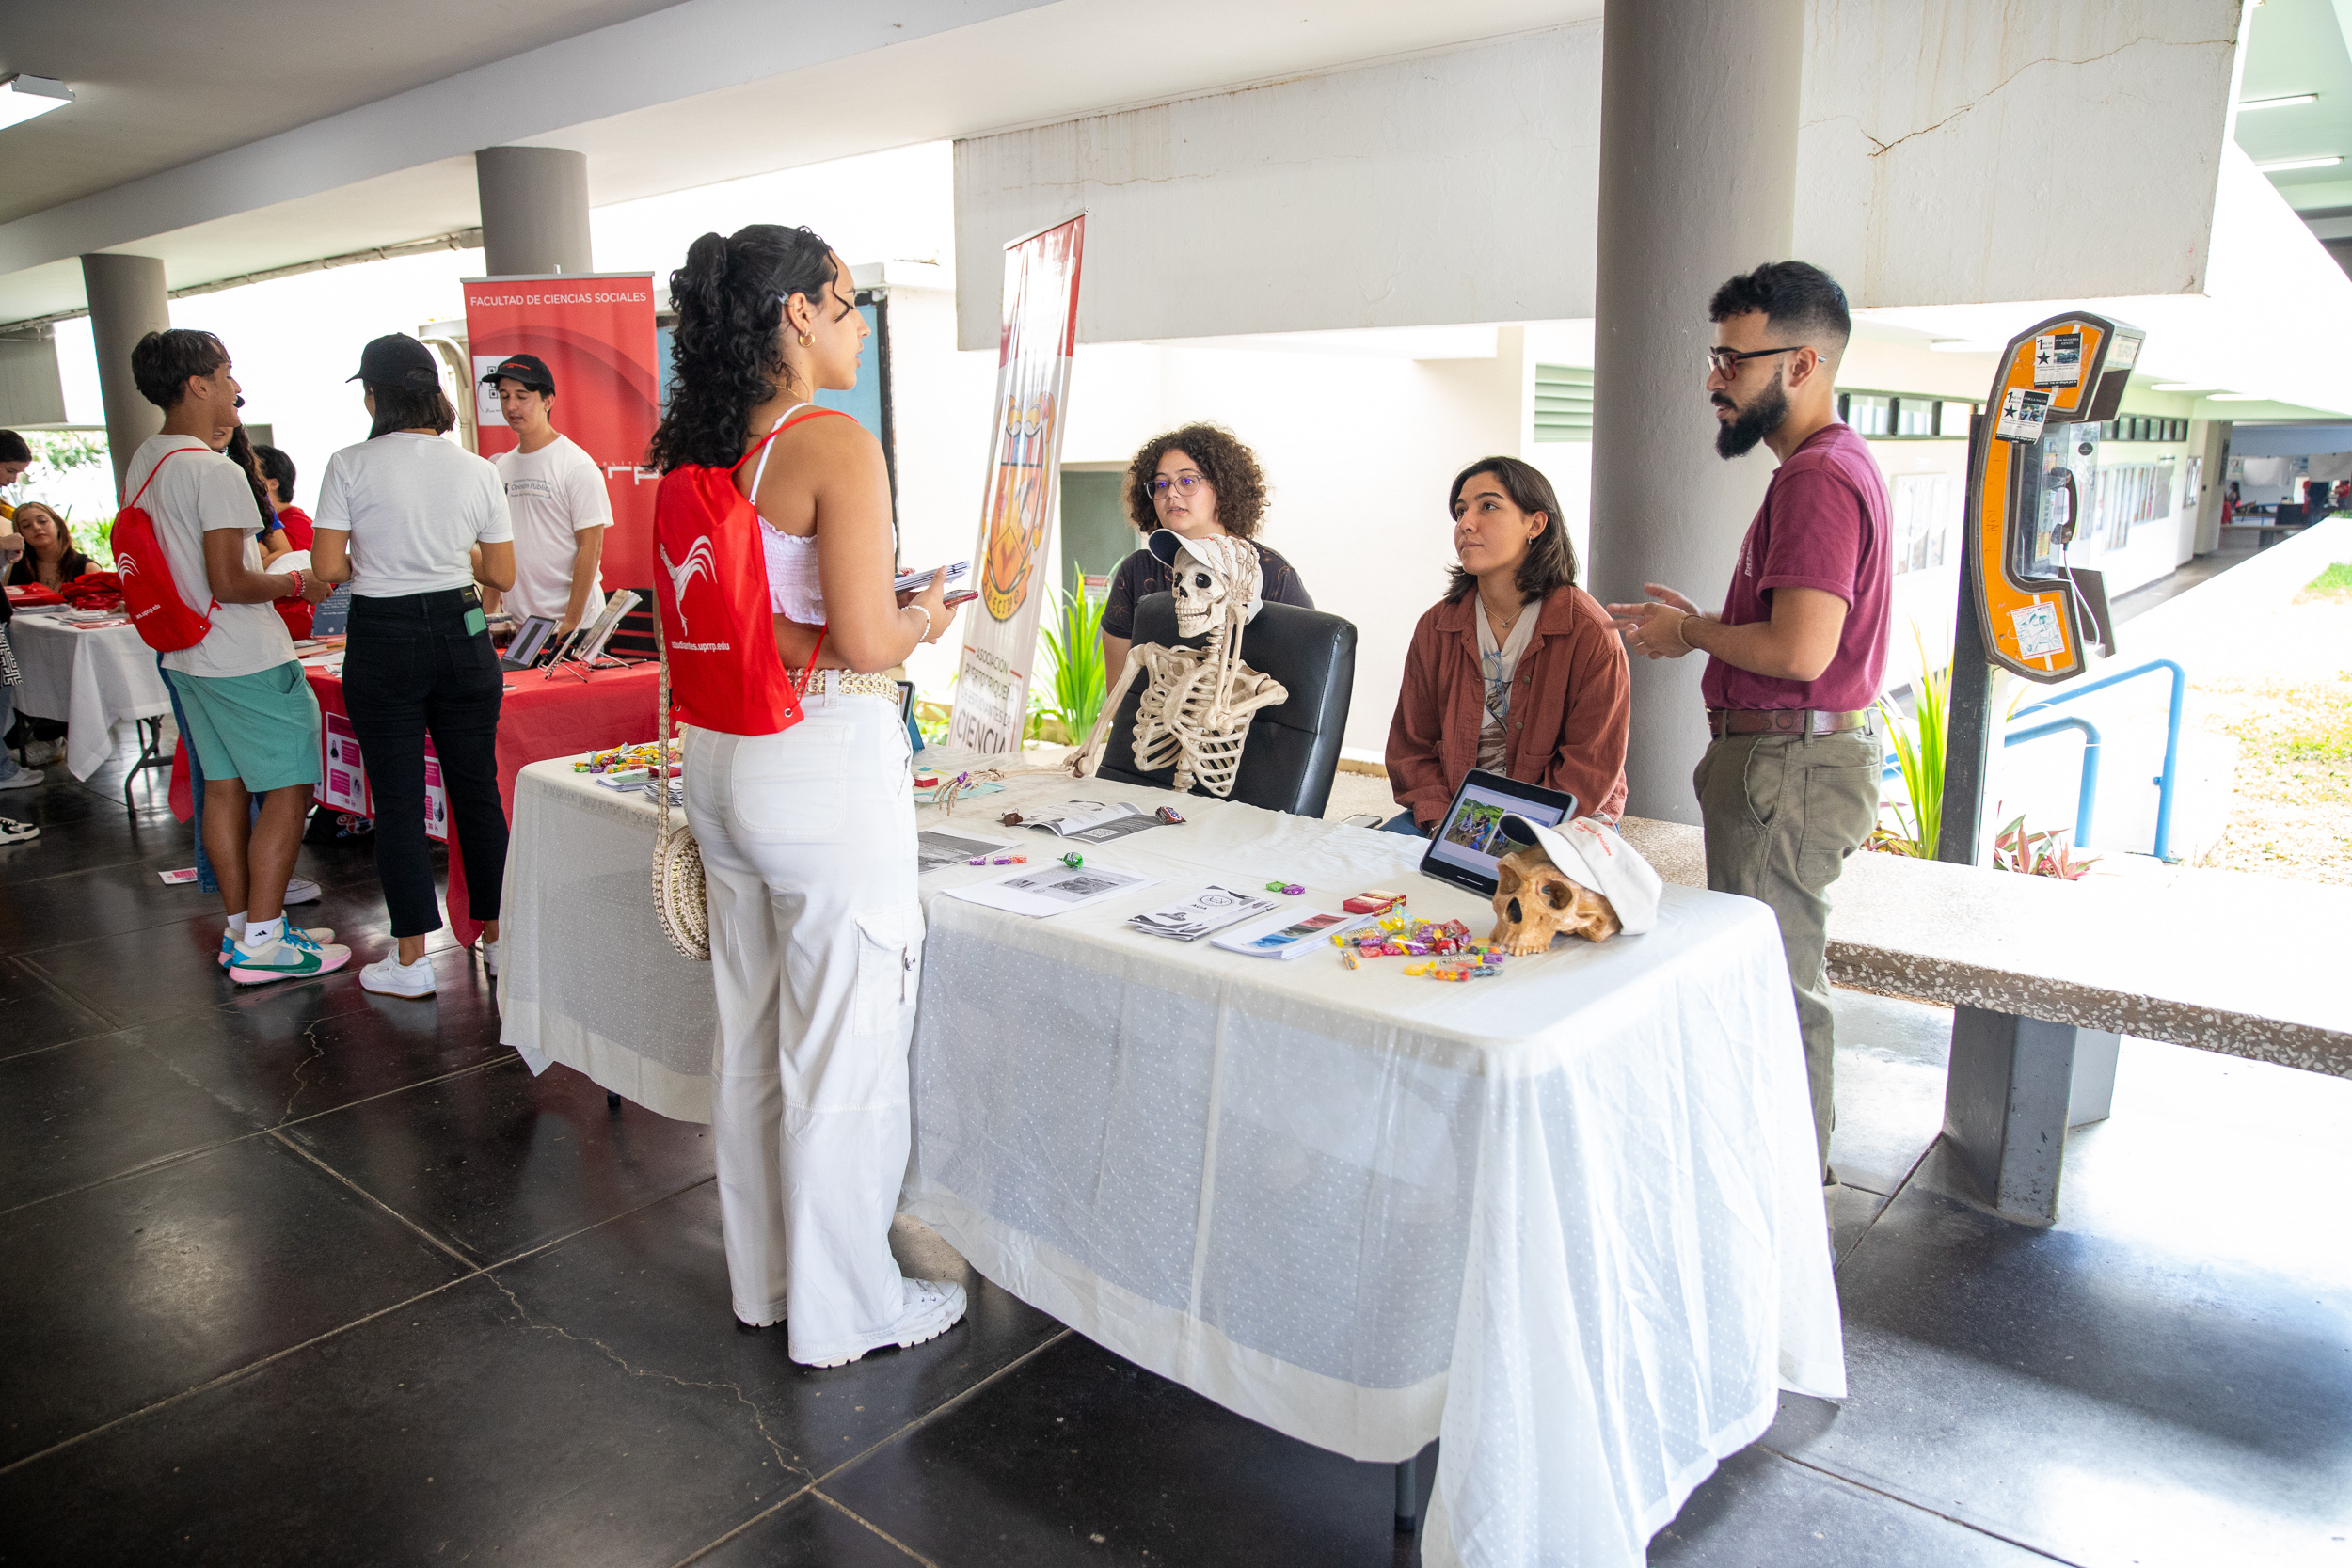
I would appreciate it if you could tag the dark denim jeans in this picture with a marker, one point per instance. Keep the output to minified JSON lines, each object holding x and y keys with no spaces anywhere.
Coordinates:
{"x":411,"y":669}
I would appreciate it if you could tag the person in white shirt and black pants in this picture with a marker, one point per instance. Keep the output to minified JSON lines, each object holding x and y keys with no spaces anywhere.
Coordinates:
{"x":555,"y":494}
{"x":414,"y":523}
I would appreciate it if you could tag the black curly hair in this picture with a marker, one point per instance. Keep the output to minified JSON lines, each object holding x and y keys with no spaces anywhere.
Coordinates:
{"x":1230,"y":468}
{"x":729,"y":297}
{"x":1550,"y":559}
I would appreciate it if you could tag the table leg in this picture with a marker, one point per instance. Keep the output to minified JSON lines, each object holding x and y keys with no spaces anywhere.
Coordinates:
{"x":612,"y":1103}
{"x":1407,"y":1495}
{"x":150,"y":734}
{"x":2014,"y":1087}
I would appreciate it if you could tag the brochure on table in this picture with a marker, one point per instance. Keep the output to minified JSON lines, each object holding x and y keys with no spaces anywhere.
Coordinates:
{"x":1093,"y":821}
{"x":935,"y":848}
{"x":1212,"y":908}
{"x":1050,"y":890}
{"x":1302,"y":931}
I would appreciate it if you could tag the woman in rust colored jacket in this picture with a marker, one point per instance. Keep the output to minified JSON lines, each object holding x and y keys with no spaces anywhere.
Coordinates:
{"x":1516,"y":671}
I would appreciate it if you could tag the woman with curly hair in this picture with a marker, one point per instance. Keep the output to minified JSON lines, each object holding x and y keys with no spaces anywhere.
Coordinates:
{"x":807,"y":833}
{"x":1197,"y":482}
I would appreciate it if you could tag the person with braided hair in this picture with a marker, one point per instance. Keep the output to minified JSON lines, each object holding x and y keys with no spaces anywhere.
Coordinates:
{"x":805,"y":823}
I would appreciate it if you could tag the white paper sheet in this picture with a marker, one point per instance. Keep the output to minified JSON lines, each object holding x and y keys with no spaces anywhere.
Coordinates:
{"x":1051,"y":889}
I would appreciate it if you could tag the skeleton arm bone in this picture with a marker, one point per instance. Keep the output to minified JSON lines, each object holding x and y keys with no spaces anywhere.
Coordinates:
{"x":1082,"y":761}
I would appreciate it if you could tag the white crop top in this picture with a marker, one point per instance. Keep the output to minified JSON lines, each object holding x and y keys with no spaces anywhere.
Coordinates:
{"x":793,"y":590}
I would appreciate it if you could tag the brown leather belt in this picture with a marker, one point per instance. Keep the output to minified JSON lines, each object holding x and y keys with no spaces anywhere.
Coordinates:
{"x":1722,"y":721}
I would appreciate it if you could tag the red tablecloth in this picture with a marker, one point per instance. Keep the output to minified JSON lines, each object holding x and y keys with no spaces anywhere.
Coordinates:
{"x":542,"y":717}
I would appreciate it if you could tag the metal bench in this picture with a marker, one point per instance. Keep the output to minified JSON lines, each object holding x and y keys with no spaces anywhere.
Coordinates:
{"x":2045,"y":976}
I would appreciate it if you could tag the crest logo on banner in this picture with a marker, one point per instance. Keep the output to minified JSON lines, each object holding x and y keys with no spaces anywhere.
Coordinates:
{"x":1040,"y":329}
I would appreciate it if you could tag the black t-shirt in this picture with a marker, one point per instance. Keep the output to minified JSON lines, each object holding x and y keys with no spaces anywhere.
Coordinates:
{"x":1143,"y":574}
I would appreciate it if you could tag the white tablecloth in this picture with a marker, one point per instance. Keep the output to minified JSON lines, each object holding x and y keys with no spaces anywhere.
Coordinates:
{"x":92,"y":680}
{"x":1568,"y":1219}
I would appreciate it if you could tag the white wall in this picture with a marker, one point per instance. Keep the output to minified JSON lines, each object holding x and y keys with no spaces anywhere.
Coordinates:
{"x":1450,"y":187}
{"x":1955,"y":152}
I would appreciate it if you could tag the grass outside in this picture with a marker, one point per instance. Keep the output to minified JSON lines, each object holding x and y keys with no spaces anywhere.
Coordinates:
{"x":2291,"y":710}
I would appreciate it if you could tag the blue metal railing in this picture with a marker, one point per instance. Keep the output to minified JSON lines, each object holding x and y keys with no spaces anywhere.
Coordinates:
{"x":2164,"y":782}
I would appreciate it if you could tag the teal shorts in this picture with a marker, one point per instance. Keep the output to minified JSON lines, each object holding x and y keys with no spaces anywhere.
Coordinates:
{"x":261,"y":729}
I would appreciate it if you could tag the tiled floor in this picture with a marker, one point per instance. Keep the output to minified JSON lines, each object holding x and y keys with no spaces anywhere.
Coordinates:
{"x":302,"y":1276}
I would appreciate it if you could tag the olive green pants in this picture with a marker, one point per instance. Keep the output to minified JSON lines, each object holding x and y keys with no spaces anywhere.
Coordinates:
{"x":1782,"y":813}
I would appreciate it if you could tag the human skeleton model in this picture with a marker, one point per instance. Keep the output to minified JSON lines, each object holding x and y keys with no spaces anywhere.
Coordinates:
{"x":1196,"y":702}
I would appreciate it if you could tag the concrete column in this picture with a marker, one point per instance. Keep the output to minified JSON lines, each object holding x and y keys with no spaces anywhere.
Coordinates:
{"x":1698,"y":179}
{"x":126,"y":303}
{"x":534,"y":210}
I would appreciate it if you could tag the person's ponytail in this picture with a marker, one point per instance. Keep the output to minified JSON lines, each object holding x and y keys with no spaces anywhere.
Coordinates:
{"x":724,"y":355}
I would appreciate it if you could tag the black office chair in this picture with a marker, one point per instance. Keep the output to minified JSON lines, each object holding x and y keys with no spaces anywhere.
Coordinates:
{"x":1294,"y":747}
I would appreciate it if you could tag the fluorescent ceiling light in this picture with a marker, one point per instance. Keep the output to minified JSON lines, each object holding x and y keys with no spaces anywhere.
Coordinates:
{"x":2181,"y":386}
{"x":2287,"y":102}
{"x":2286,"y":164}
{"x":2236,"y":397}
{"x":1963,"y":345}
{"x":22,"y":98}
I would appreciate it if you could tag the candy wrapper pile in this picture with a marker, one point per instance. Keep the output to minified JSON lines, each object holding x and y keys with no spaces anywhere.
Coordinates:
{"x":1445,"y":946}
{"x":628,"y":759}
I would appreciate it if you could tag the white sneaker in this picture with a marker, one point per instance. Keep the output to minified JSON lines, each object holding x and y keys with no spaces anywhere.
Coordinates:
{"x":24,"y":778}
{"x":490,"y":951}
{"x":933,"y":1307}
{"x":301,"y":890}
{"x":13,"y":832}
{"x":388,"y":976}
{"x":40,"y":753}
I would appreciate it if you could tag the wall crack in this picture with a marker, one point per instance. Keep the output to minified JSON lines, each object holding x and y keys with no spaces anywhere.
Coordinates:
{"x":1883,"y":147}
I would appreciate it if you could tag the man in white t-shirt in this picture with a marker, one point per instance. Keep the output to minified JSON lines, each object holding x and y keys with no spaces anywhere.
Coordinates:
{"x":555,"y":494}
{"x":247,"y":709}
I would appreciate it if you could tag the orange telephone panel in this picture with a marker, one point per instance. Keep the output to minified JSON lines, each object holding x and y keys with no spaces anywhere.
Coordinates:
{"x":2032,"y":607}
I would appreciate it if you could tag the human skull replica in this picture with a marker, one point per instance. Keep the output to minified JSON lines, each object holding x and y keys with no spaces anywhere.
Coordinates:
{"x":1536,"y":902}
{"x":1196,"y":702}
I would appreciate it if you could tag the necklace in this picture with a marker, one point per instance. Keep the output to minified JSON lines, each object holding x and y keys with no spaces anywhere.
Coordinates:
{"x":1503,"y":627}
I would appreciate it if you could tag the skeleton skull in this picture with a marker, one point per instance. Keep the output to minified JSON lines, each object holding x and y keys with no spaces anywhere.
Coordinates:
{"x":1534,"y":902}
{"x":1206,"y":573}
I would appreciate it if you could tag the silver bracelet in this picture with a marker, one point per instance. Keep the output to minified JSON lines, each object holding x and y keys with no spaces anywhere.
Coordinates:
{"x":927,"y":623}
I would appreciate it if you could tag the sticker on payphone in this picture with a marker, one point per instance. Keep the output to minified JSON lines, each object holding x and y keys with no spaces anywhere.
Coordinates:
{"x":2021,"y":414}
{"x":2057,"y":359}
{"x":2039,"y":632}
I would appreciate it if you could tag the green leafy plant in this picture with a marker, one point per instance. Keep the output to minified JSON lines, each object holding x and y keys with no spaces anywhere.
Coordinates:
{"x":2042,"y":854}
{"x":1071,"y":697}
{"x":1920,"y":759}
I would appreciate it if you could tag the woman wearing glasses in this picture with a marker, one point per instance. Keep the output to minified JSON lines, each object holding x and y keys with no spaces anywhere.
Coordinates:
{"x":1516,"y":671}
{"x":1197,"y":482}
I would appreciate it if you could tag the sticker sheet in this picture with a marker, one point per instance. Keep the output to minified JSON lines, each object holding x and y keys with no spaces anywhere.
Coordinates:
{"x":2022,"y":413}
{"x":2039,"y":633}
{"x":2057,"y":359}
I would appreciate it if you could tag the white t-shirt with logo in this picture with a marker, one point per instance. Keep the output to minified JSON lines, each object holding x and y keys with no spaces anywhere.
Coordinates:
{"x":193,"y":496}
{"x":553,"y":494}
{"x":415,"y":507}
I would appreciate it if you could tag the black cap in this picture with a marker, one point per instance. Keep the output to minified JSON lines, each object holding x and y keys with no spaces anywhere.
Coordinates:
{"x":396,"y":360}
{"x":529,"y":369}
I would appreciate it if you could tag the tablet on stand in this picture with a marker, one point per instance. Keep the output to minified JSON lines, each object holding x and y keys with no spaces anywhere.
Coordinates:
{"x":1469,"y":842}
{"x":582,"y":652}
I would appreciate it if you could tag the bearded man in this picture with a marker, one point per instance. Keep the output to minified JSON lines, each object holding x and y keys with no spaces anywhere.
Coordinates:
{"x":1789,"y":786}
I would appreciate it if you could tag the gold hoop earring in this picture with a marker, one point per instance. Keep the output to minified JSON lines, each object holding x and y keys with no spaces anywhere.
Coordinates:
{"x":805,"y":339}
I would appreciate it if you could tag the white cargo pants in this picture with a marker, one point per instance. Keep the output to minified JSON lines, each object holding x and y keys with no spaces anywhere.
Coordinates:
{"x":816,"y":944}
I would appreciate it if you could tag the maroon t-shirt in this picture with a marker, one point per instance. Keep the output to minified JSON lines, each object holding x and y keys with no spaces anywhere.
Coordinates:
{"x":1825,"y":524}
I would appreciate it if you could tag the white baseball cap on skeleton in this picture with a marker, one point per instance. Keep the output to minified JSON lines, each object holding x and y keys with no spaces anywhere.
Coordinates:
{"x":1234,"y":559}
{"x":1589,"y":851}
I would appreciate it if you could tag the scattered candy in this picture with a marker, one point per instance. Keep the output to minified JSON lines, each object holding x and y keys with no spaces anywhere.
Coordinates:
{"x":1012,"y":819}
{"x":1170,"y":814}
{"x":625,"y":759}
{"x":1294,"y":889}
{"x":1348,"y":956}
{"x":1073,"y":859}
{"x":1414,"y":972}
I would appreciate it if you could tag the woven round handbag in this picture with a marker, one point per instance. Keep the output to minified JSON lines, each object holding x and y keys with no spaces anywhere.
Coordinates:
{"x":679,"y":899}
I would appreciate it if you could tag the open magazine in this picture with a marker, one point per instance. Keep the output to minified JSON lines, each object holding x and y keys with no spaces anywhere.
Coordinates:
{"x":1093,"y":821}
{"x":1212,"y":909}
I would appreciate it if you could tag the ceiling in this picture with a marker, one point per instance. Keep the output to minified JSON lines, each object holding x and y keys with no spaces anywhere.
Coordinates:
{"x":2293,"y":47}
{"x":659,"y":99}
{"x":160,"y":84}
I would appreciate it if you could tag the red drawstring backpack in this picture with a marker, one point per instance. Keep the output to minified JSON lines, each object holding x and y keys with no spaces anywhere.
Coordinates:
{"x":162,"y":618}
{"x":712,"y":594}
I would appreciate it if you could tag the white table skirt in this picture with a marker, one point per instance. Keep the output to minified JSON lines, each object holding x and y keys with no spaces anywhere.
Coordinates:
{"x":1568,"y":1219}
{"x":93,"y":680}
